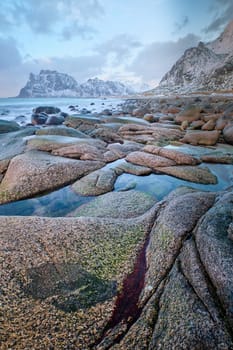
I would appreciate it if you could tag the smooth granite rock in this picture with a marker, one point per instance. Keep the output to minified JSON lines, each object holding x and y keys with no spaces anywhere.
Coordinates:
{"x":96,"y":183}
{"x":190,"y":173}
{"x":123,"y":205}
{"x":35,"y":172}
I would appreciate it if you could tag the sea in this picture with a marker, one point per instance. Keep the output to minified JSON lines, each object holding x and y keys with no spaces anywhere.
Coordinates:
{"x":20,"y":109}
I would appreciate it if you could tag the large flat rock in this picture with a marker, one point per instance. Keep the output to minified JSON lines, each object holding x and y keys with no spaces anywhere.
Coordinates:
{"x":117,"y":205}
{"x":35,"y":172}
{"x":60,"y":277}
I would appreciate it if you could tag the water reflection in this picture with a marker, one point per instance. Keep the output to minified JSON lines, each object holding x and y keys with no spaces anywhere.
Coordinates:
{"x":61,"y":202}
{"x":55,"y":204}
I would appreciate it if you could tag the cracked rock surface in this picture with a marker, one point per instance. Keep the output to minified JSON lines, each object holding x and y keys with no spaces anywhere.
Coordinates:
{"x":61,"y":278}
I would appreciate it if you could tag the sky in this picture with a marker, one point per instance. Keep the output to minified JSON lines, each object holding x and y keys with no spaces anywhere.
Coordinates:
{"x":132,"y":41}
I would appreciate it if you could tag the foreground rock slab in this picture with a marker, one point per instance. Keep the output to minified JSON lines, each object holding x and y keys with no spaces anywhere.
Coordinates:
{"x":60,"y":277}
{"x":186,"y":301}
{"x":34,"y":172}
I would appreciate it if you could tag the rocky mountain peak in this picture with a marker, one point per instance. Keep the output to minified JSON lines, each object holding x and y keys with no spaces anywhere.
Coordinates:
{"x":224,"y":43}
{"x":50,"y":83}
{"x":204,"y":67}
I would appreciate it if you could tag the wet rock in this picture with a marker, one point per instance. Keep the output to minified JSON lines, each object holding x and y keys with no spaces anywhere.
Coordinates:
{"x":106,"y":135}
{"x":39,"y":118}
{"x":140,"y":111}
{"x":130,"y":168}
{"x":191,"y":113}
{"x":149,"y":160}
{"x":197,"y":124}
{"x":14,"y":143}
{"x":123,"y":205}
{"x":179,"y":157}
{"x":223,"y":121}
{"x":165,"y":135}
{"x":46,"y":109}
{"x":62,"y":131}
{"x":83,"y":151}
{"x":34,"y":172}
{"x":8,"y":126}
{"x":207,"y":138}
{"x":50,"y":143}
{"x":151,"y":118}
{"x":190,"y":173}
{"x":55,"y":120}
{"x":96,"y":183}
{"x":218,"y":158}
{"x":83,"y":123}
{"x":228,"y":134}
{"x":209,"y":126}
{"x":125,"y":148}
{"x":21,"y":119}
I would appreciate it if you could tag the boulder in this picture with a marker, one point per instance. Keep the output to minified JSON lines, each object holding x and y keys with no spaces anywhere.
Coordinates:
{"x":105,"y":134}
{"x":35,"y":172}
{"x":39,"y":118}
{"x":191,"y":113}
{"x":122,"y":205}
{"x":218,"y":158}
{"x":206,"y":138}
{"x":223,"y":121}
{"x":83,"y":123}
{"x":46,"y":109}
{"x":198,"y":124}
{"x":179,"y":157}
{"x":130,"y":168}
{"x":96,"y":183}
{"x":8,"y":126}
{"x":190,"y":173}
{"x":209,"y":126}
{"x":55,"y":120}
{"x":149,"y":160}
{"x":50,"y":143}
{"x":151,"y":118}
{"x":228,"y":134}
{"x":14,"y":143}
{"x":62,"y":131}
{"x":82,"y":151}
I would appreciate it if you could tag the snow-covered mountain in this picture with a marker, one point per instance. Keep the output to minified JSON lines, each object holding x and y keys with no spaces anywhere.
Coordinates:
{"x":205,"y":67}
{"x":54,"y":84}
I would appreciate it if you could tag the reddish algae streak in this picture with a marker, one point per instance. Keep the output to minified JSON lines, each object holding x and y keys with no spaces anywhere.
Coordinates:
{"x":126,"y":307}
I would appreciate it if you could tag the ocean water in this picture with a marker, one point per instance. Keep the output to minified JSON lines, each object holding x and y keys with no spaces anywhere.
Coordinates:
{"x":15,"y":108}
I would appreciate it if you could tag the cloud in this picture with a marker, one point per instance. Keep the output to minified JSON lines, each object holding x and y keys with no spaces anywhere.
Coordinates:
{"x":15,"y":68}
{"x":120,"y":47}
{"x":156,"y":59}
{"x":52,"y":16}
{"x":10,"y":55}
{"x":180,"y":25}
{"x":222,"y":14}
{"x":84,"y":31}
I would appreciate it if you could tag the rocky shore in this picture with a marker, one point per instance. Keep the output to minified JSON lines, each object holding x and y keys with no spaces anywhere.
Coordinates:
{"x":128,"y":269}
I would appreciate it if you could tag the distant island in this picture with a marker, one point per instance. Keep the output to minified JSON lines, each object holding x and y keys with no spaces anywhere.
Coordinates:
{"x":50,"y":83}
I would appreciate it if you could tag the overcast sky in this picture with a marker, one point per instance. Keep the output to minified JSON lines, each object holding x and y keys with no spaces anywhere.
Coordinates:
{"x":126,"y":40}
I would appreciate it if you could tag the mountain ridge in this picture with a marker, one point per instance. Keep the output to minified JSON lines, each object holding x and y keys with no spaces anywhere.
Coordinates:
{"x":50,"y":83}
{"x":208,"y":66}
